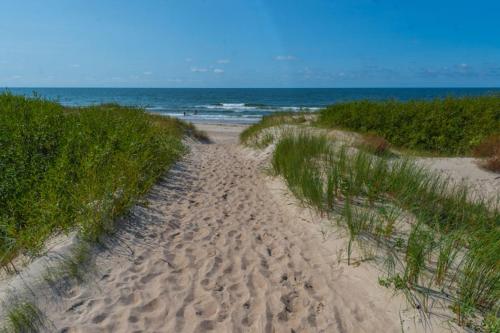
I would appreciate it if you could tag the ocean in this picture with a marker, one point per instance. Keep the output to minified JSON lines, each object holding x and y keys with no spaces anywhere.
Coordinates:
{"x":241,"y":106}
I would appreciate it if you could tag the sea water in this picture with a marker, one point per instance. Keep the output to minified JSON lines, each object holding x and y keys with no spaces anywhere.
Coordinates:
{"x":241,"y":106}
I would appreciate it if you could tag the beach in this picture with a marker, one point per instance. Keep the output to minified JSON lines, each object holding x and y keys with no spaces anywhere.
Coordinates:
{"x":219,"y":245}
{"x":249,"y":166}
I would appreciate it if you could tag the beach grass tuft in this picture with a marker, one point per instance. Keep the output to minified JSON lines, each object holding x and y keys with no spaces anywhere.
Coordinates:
{"x":433,"y":236}
{"x":250,"y":136}
{"x":23,"y":317}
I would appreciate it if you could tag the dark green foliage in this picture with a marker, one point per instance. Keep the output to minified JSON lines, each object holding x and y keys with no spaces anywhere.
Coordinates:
{"x":451,"y":126}
{"x":62,"y":168}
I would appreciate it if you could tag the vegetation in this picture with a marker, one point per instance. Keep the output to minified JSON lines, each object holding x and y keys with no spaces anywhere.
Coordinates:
{"x":23,"y":317}
{"x":66,"y":168}
{"x":375,"y":145}
{"x":451,"y":126}
{"x":250,"y":136}
{"x":431,"y":236}
{"x":490,"y":149}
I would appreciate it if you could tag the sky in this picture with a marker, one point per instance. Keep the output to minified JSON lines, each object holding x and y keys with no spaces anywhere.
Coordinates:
{"x":249,"y":43}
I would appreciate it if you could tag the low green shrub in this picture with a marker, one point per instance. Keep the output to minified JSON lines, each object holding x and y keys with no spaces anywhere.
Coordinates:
{"x":66,"y":168}
{"x":451,"y":126}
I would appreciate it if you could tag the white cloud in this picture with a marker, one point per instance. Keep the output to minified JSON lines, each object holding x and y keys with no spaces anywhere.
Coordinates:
{"x":218,"y":71}
{"x":15,"y":77}
{"x":284,"y":58}
{"x":198,"y":70}
{"x":458,"y":70}
{"x":75,"y":65}
{"x":223,"y":61}
{"x":188,"y":59}
{"x":147,"y":73}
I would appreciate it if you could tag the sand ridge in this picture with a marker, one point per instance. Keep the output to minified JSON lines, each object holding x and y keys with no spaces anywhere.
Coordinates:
{"x":215,"y":250}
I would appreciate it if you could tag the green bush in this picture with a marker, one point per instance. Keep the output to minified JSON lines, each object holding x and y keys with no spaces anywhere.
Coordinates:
{"x":65,"y":168}
{"x":452,"y":126}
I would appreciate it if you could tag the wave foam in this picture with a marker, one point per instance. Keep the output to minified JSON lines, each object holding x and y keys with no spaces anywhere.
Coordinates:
{"x":240,"y":107}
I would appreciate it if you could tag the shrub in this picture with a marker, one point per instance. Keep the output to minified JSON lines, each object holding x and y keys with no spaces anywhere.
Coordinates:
{"x":492,"y":163}
{"x":490,"y":149}
{"x":66,"y":168}
{"x":451,"y":126}
{"x":375,"y":144}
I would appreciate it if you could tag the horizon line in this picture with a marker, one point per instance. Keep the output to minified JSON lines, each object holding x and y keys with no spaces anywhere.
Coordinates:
{"x":367,"y":87}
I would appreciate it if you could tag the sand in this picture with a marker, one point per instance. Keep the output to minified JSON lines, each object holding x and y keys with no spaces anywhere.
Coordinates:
{"x":483,"y":184}
{"x":220,"y":246}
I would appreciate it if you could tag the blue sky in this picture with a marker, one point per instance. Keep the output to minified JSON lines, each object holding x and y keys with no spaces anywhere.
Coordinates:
{"x":249,"y":43}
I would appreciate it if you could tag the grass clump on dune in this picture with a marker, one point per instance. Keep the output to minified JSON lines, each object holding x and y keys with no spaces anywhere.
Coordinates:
{"x":432,"y":237}
{"x":66,"y":168}
{"x":251,"y":135}
{"x":451,"y":126}
{"x":23,"y":317}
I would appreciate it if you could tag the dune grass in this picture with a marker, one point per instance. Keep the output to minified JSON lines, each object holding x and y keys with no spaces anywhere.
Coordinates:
{"x":451,"y":126}
{"x":23,"y":317}
{"x":63,"y":168}
{"x":250,"y":136}
{"x":432,"y":236}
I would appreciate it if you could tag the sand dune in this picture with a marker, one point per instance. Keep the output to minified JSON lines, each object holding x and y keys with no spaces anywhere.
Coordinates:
{"x":220,"y":248}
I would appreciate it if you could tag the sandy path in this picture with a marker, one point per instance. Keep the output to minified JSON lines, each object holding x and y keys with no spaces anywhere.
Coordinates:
{"x":215,"y":250}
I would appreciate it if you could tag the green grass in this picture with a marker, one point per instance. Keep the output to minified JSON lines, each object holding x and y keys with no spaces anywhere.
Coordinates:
{"x":63,"y":168}
{"x":451,"y":126}
{"x":251,"y":135}
{"x":23,"y":317}
{"x":431,"y":234}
